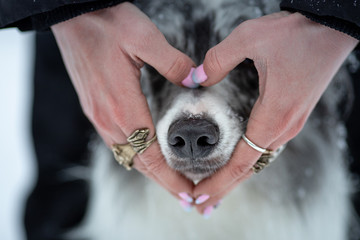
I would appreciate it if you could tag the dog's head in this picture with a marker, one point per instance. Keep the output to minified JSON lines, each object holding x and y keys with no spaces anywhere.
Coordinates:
{"x":198,"y":129}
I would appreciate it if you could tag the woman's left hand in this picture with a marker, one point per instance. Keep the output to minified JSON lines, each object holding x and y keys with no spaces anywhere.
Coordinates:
{"x":296,"y":60}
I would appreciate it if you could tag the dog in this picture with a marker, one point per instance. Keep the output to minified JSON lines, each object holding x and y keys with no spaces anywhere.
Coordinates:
{"x":304,"y":194}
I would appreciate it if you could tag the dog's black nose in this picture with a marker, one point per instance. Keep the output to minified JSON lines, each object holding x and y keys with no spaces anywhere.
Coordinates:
{"x":193,"y":138}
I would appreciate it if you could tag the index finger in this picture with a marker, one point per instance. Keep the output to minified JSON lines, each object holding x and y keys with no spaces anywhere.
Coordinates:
{"x":238,"y":166}
{"x":155,"y":167}
{"x":263,"y":133}
{"x":137,"y":117}
{"x":167,"y":60}
{"x":149,"y":45}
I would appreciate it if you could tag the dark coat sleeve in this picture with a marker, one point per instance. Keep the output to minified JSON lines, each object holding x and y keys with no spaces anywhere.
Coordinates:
{"x":342,"y":15}
{"x":41,"y":14}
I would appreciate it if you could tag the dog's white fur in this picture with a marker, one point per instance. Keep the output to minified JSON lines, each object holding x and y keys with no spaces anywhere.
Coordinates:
{"x":293,"y":198}
{"x":125,"y":205}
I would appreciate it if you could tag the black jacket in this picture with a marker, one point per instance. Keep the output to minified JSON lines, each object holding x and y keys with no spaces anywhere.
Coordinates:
{"x":343,"y":15}
{"x":41,"y":14}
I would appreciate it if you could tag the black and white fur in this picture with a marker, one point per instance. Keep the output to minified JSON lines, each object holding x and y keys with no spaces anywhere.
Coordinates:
{"x":304,"y":194}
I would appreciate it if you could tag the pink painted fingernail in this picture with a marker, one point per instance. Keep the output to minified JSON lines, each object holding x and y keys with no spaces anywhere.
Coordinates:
{"x":207,"y":212}
{"x":201,"y":199}
{"x":188,"y":81}
{"x":186,"y":197}
{"x":199,"y":75}
{"x":186,"y":206}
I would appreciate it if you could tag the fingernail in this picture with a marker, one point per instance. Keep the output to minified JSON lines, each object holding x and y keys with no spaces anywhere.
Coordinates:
{"x":217,"y":204}
{"x":185,"y":205}
{"x":207,"y":212}
{"x":199,"y":75}
{"x":188,"y":81}
{"x":186,"y":197}
{"x":201,"y":199}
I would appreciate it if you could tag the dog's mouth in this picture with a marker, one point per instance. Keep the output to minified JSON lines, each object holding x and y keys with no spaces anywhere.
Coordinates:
{"x":196,"y":169}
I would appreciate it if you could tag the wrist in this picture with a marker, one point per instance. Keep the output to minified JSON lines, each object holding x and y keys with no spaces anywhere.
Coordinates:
{"x":336,"y":41}
{"x":342,"y":17}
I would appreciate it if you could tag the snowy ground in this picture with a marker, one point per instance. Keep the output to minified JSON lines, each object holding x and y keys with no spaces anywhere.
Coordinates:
{"x":16,"y":154}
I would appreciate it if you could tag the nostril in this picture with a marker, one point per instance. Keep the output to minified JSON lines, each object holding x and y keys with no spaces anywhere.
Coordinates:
{"x":193,"y":138}
{"x":177,"y":142}
{"x":205,"y":141}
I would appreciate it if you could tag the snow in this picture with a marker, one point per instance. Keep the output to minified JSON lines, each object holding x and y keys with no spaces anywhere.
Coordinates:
{"x":16,"y":153}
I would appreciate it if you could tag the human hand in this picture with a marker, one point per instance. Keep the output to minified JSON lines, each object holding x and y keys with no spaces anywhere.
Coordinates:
{"x":103,"y":52}
{"x":295,"y":59}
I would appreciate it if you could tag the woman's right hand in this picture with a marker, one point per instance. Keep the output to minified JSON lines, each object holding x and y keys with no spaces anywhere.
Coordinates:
{"x":103,"y":52}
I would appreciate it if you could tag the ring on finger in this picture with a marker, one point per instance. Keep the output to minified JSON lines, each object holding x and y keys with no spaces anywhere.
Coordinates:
{"x":125,"y":153}
{"x":266,"y":157}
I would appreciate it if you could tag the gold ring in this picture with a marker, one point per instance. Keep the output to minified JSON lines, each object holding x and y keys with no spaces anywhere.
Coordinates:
{"x":125,"y":153}
{"x":266,"y":157}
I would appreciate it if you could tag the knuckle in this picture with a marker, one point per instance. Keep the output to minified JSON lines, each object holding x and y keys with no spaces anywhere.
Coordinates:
{"x":246,"y":30}
{"x":178,"y":69}
{"x":288,"y":113}
{"x":153,"y":165}
{"x":279,"y":128}
{"x":295,"y":129}
{"x":148,"y":34}
{"x":116,"y":115}
{"x":252,"y":27}
{"x":292,"y":122}
{"x":237,"y":171}
{"x":100,"y":122}
{"x":119,"y":118}
{"x":141,"y":168}
{"x":213,"y":63}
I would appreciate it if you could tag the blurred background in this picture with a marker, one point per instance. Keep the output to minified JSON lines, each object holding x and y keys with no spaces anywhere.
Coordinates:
{"x":16,"y":153}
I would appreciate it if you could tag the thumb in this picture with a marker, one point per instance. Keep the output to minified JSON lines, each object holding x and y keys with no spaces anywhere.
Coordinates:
{"x":167,"y":60}
{"x":223,"y":57}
